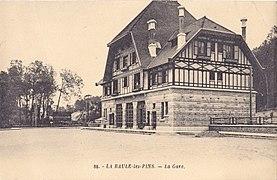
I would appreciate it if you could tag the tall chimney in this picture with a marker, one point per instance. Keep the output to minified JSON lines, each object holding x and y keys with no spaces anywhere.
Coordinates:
{"x":152,"y":45}
{"x":243,"y":28}
{"x":182,"y":35}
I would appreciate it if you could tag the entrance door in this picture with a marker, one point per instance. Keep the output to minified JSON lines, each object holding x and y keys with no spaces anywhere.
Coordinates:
{"x":129,"y":115}
{"x":111,"y":119}
{"x":118,"y":115}
{"x":141,"y":114}
{"x":154,"y":119}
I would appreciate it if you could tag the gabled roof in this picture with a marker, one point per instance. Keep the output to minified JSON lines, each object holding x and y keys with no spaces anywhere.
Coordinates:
{"x":191,"y":30}
{"x":166,"y":15}
{"x":170,"y":52}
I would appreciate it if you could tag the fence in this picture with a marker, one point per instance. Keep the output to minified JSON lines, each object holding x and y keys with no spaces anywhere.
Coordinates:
{"x":244,"y":120}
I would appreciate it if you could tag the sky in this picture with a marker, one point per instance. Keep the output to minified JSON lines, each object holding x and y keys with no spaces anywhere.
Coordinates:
{"x":74,"y":34}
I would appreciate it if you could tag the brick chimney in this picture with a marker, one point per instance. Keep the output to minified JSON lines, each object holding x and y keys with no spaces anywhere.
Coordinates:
{"x":181,"y":37}
{"x":152,"y":45}
{"x":243,"y":28}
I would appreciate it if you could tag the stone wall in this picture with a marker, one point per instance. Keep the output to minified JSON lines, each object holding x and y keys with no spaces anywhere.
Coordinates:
{"x":187,"y":107}
{"x":157,"y":97}
{"x":195,"y":107}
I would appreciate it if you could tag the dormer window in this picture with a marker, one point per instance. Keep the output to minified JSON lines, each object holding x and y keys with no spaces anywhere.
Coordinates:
{"x":174,"y":42}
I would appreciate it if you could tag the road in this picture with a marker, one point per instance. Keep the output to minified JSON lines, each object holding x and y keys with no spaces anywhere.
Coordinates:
{"x":61,"y":153}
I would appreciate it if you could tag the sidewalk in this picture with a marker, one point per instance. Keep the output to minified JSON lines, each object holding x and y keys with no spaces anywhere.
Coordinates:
{"x":142,"y":131}
{"x":248,"y":134}
{"x":191,"y":133}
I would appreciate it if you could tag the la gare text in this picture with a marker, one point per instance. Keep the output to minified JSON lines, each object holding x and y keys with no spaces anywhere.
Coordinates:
{"x":139,"y":166}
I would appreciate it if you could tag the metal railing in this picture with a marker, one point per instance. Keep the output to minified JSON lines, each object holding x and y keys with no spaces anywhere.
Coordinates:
{"x":244,"y":120}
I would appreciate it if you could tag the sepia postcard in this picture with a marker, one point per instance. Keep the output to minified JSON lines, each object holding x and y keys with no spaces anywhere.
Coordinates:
{"x":138,"y":89}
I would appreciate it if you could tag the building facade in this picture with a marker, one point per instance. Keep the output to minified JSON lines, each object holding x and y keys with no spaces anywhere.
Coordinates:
{"x":171,"y":70}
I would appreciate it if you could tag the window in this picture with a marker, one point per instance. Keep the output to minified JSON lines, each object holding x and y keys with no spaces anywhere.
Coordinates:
{"x":125,"y":61}
{"x":219,"y":76}
{"x":117,"y":64}
{"x":115,"y":86}
{"x":228,"y":51}
{"x":154,"y":78}
{"x":236,"y":53}
{"x":212,"y":75}
{"x":164,"y":109}
{"x":208,"y":49}
{"x":164,"y":76}
{"x":202,"y":47}
{"x":137,"y":81}
{"x":125,"y":81}
{"x":107,"y":90}
{"x":174,"y":42}
{"x":159,"y":78}
{"x":154,"y":105}
{"x":213,"y":46}
{"x":220,"y":47}
{"x":134,"y":58}
{"x":148,"y":118}
{"x":195,"y":47}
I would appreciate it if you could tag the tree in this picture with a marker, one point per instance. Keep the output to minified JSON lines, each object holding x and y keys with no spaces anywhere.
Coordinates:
{"x":15,"y":72}
{"x":71,"y":86}
{"x":40,"y":86}
{"x":6,"y":102}
{"x":265,"y":81}
{"x":91,"y":106}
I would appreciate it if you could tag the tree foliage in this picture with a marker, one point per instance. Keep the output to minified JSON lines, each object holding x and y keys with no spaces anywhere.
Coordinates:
{"x":71,"y":85}
{"x":26,"y":92}
{"x":5,"y":102}
{"x":40,"y":86}
{"x":265,"y":81}
{"x":91,"y":106}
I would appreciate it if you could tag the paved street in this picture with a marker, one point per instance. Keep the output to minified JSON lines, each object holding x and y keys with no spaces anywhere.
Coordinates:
{"x":74,"y":154}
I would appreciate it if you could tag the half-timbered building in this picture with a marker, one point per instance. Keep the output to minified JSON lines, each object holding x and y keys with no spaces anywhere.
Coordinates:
{"x":169,"y":69}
